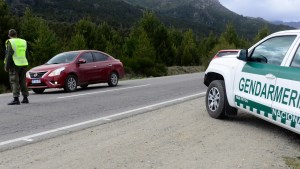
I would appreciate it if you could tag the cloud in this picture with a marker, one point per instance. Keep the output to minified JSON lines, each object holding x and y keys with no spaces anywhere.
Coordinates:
{"x":283,"y":10}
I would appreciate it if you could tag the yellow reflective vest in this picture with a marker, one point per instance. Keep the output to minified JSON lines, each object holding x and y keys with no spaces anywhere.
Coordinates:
{"x":19,"y":46}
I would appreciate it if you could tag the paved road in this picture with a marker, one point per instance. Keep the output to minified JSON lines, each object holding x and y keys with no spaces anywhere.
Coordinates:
{"x":56,"y":112}
{"x":181,"y":136}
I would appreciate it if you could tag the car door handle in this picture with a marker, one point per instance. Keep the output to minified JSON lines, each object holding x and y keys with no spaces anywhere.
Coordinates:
{"x":110,"y":65}
{"x":270,"y":76}
{"x":94,"y":66}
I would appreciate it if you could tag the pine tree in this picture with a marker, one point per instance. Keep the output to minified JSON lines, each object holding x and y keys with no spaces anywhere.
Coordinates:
{"x":77,"y":43}
{"x":262,"y":33}
{"x":189,"y":50}
{"x":44,"y":46}
{"x":42,"y":41}
{"x":88,"y":30}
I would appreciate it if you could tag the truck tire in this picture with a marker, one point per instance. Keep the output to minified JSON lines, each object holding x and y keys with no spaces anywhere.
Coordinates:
{"x":216,"y":99}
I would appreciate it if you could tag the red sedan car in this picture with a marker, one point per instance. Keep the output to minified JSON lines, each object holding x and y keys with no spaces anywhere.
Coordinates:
{"x":75,"y":68}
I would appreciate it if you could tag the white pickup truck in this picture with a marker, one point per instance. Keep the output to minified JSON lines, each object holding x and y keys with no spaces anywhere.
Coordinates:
{"x":263,"y":80}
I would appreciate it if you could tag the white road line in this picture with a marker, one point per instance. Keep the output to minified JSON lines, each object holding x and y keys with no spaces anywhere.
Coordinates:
{"x":105,"y":91}
{"x":30,"y":137}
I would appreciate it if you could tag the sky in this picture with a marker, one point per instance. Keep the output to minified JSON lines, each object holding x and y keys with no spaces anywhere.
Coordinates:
{"x":271,"y":10}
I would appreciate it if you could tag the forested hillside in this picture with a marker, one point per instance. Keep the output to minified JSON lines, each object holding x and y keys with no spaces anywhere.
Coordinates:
{"x":206,"y":16}
{"x":115,"y":12}
{"x":202,"y":16}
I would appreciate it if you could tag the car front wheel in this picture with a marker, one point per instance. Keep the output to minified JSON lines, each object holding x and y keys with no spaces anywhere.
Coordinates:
{"x":113,"y":79}
{"x":70,"y":83}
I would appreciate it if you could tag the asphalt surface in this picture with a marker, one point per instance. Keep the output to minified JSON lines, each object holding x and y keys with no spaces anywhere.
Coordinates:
{"x":180,"y":136}
{"x":48,"y":114}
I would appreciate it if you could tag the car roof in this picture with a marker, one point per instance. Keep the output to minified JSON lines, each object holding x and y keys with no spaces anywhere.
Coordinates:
{"x":80,"y":51}
{"x":85,"y":51}
{"x":295,"y":31}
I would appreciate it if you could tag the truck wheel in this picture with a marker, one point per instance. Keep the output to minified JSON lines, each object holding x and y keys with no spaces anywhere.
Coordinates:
{"x":216,"y":99}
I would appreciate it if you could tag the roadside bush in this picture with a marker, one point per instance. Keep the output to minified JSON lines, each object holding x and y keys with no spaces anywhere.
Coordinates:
{"x":144,"y":66}
{"x":4,"y":83}
{"x":3,"y":89}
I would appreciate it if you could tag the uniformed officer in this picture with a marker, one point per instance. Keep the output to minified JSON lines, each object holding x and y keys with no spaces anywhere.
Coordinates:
{"x":16,"y":64}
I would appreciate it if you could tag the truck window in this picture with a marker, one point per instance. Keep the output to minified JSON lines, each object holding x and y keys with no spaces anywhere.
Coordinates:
{"x":296,"y":60}
{"x":274,"y":49}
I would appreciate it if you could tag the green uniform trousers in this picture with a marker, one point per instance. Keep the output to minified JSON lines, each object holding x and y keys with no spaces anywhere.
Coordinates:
{"x":17,"y":79}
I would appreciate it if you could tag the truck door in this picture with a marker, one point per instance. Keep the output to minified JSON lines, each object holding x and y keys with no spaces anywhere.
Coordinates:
{"x":286,"y":105}
{"x":254,"y":85}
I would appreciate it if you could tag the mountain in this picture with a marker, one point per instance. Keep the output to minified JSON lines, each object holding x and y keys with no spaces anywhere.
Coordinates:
{"x":291,"y":24}
{"x":115,"y":12}
{"x":203,"y":16}
{"x":171,"y":4}
{"x":209,"y":15}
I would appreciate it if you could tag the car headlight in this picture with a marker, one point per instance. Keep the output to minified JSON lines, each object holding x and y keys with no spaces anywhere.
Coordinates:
{"x":56,"y":72}
{"x":28,"y":75}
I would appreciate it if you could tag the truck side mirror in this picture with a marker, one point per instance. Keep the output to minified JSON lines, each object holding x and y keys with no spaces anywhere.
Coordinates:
{"x":243,"y":55}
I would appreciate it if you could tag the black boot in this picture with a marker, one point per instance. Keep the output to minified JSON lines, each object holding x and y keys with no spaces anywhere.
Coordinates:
{"x":15,"y":101}
{"x":25,"y":100}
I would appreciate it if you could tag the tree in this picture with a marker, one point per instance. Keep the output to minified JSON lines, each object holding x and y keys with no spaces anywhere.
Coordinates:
{"x":77,"y":42}
{"x":114,"y":45}
{"x":7,"y":21}
{"x":149,"y":23}
{"x":44,"y":46}
{"x":189,"y":50}
{"x":144,"y":47}
{"x":42,"y":41}
{"x":88,"y":30}
{"x":262,"y":33}
{"x":104,"y":36}
{"x":205,"y":47}
{"x":164,"y":49}
{"x":30,"y":25}
{"x":159,"y":37}
{"x":176,"y":38}
{"x":230,"y":35}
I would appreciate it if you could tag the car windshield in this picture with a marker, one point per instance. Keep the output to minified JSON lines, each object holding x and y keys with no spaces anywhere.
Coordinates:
{"x":66,"y":57}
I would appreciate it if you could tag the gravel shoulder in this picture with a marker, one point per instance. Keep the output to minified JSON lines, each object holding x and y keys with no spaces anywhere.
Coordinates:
{"x":181,"y":136}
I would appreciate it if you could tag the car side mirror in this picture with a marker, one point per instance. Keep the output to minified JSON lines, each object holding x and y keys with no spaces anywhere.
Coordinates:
{"x":243,"y":55}
{"x":81,"y":61}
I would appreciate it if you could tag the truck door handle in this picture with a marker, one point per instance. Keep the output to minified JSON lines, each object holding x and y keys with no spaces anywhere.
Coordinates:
{"x":270,"y":76}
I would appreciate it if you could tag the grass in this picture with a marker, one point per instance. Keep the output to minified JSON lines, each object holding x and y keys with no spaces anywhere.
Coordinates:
{"x":293,"y":163}
{"x":3,"y":89}
{"x":176,"y":70}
